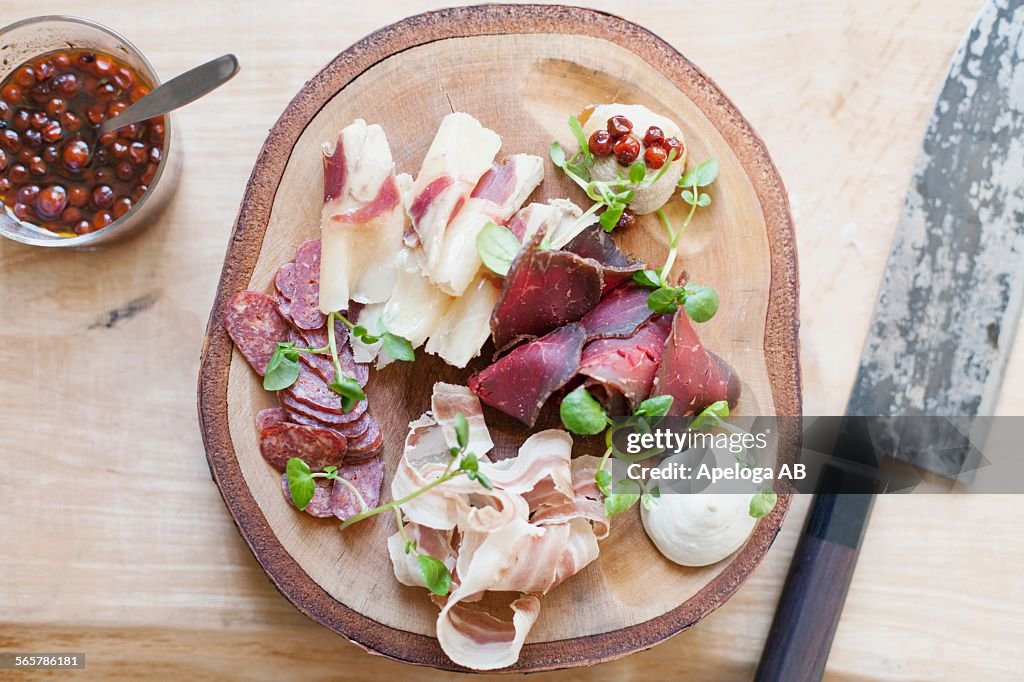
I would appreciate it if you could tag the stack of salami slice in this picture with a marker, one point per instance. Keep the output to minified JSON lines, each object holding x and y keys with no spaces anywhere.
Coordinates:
{"x":310,"y":423}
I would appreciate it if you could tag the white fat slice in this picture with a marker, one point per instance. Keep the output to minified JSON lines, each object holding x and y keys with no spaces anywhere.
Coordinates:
{"x":462,"y":151}
{"x":555,"y":219}
{"x":466,"y":326}
{"x":370,"y":318}
{"x":496,"y":197}
{"x":416,"y":306}
{"x":362,"y":219}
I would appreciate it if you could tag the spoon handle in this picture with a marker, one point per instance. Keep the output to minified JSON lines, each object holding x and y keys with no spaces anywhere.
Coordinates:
{"x":176,"y":92}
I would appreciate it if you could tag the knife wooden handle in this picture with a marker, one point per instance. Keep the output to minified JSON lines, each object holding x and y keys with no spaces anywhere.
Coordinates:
{"x":815,"y":590}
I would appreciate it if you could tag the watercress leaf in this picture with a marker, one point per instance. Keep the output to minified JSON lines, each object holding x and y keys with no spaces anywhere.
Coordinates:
{"x":282,"y":373}
{"x":648,"y":278}
{"x":300,"y":482}
{"x":582,"y":414}
{"x":410,"y":546}
{"x":557,"y":154}
{"x":397,"y":347}
{"x":625,"y":494}
{"x":663,"y":300}
{"x":435,"y":574}
{"x":454,"y":452}
{"x":701,"y":176}
{"x":655,"y":406}
{"x":359,"y":331}
{"x":637,"y":172}
{"x":603,"y":478}
{"x":610,"y":217}
{"x":577,"y":132}
{"x":687,"y":196}
{"x":761,"y":504}
{"x":330,"y":470}
{"x":650,"y":498}
{"x":703,"y":199}
{"x":701,"y":302}
{"x":498,"y":247}
{"x":370,"y":339}
{"x":469,"y":462}
{"x":349,"y":390}
{"x":461,"y":430}
{"x":711,"y":415}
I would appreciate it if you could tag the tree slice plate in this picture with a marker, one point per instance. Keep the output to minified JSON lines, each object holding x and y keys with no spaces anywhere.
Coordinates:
{"x":521,"y":70}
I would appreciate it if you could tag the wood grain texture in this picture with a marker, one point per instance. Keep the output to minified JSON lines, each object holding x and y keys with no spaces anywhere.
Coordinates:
{"x":161,"y":585}
{"x":743,"y":246}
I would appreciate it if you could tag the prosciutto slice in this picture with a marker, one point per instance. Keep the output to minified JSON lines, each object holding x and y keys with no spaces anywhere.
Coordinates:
{"x":692,"y":375}
{"x":362,"y":219}
{"x":619,"y":314}
{"x":462,"y":151}
{"x":521,"y":382}
{"x":628,"y":365}
{"x":593,"y":242}
{"x":544,"y":289}
{"x":496,"y":197}
{"x":553,"y":219}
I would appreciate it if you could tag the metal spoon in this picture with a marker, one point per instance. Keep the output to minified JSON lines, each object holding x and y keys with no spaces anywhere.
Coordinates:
{"x":176,"y":92}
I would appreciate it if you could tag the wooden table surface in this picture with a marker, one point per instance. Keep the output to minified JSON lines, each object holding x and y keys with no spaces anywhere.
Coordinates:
{"x":116,"y":542}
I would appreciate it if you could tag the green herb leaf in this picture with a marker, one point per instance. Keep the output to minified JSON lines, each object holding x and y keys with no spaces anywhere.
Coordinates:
{"x":557,"y":154}
{"x":703,"y":199}
{"x":637,"y":172}
{"x":650,"y":498}
{"x":397,"y":347}
{"x":710,"y":416}
{"x":701,"y":176}
{"x":762,"y":503}
{"x":301,"y":485}
{"x":648,"y":278}
{"x":410,"y":546}
{"x":283,"y":367}
{"x":603,"y":478}
{"x":701,"y":302}
{"x":349,"y":390}
{"x":582,"y":414}
{"x":435,"y":575}
{"x":655,"y":406}
{"x":610,"y":217}
{"x":469,"y":462}
{"x":581,"y":139}
{"x":663,"y":300}
{"x":332,"y":472}
{"x":481,"y":479}
{"x":498,"y":247}
{"x":687,"y":196}
{"x":461,"y":430}
{"x":625,"y":494}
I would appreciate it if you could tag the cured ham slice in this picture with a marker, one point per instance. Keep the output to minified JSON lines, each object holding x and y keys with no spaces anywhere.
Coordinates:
{"x":628,"y":365}
{"x":362,"y":219}
{"x":692,"y":375}
{"x":520,"y":383}
{"x":480,"y":641}
{"x":552,"y":219}
{"x":436,"y":543}
{"x":587,"y":502}
{"x":416,"y":307}
{"x":462,"y":151}
{"x":448,"y":400}
{"x":593,"y":242}
{"x":619,"y":314}
{"x":466,"y":324}
{"x":496,"y":197}
{"x":544,"y":289}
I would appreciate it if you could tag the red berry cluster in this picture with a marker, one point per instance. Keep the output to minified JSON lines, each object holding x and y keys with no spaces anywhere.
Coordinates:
{"x":55,"y":171}
{"x":617,"y":139}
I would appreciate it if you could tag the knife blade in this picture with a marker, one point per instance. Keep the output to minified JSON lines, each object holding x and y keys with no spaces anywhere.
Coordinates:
{"x":944,"y":321}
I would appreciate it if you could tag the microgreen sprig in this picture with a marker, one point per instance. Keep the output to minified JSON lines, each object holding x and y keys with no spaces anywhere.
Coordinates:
{"x":394,"y":345}
{"x":437,"y":578}
{"x":700,"y":302}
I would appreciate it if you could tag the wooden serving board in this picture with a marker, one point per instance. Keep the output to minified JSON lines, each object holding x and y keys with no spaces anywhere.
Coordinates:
{"x":521,"y":70}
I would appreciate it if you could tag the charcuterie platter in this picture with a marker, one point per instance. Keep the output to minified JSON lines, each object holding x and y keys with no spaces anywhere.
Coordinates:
{"x":428,"y":256}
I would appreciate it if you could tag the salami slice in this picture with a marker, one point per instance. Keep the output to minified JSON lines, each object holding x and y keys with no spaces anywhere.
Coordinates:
{"x":255,"y":325}
{"x":305,"y":303}
{"x":367,"y":478}
{"x":322,"y":504}
{"x":318,"y":446}
{"x":366,"y":445}
{"x":270,"y":416}
{"x":290,"y":403}
{"x":309,"y":389}
{"x":285,"y":282}
{"x":351,"y":430}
